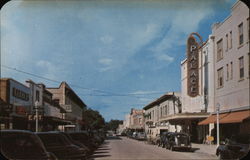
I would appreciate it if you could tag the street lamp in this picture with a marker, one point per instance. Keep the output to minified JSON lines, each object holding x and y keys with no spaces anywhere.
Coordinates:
{"x":218,"y":124}
{"x":36,"y":108}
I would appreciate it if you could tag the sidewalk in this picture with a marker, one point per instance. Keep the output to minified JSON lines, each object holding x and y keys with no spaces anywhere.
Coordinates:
{"x":204,"y":148}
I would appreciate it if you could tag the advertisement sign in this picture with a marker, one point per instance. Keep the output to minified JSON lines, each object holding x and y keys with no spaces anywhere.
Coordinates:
{"x":192,"y":66}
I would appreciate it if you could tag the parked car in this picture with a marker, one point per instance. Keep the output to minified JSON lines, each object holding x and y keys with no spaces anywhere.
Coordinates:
{"x":59,"y":145}
{"x":175,"y":141}
{"x":236,"y":147}
{"x":84,"y":138}
{"x":77,"y":143}
{"x":23,"y":145}
{"x":134,"y":135}
{"x":141,"y":136}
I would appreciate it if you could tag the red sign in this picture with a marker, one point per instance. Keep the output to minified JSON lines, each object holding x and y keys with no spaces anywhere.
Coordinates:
{"x":21,"y":110}
{"x":192,"y":66}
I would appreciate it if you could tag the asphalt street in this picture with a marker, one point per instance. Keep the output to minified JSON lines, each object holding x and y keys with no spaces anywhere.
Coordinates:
{"x":126,"y":148}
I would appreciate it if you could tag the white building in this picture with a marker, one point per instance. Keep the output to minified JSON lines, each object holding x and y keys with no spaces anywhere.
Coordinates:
{"x":232,"y":72}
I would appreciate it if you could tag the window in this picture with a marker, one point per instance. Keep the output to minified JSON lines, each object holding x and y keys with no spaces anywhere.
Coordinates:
{"x":227,"y":78}
{"x":219,"y":50}
{"x":231,"y":70}
{"x":227,"y":42}
{"x":220,"y":77}
{"x":241,"y":64}
{"x":230,"y":40}
{"x":249,"y":64}
{"x":248,"y":29}
{"x":241,"y":40}
{"x":37,"y":96}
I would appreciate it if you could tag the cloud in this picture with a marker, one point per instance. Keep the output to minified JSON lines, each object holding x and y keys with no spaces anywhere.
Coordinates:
{"x":105,"y":61}
{"x":107,"y":39}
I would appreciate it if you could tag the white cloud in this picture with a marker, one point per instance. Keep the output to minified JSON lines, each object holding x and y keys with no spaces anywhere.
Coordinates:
{"x":107,"y":39}
{"x":105,"y":61}
{"x":165,"y":57}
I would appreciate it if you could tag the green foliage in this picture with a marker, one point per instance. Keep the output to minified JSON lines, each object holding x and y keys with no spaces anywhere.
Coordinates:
{"x":92,"y":119}
{"x":113,"y":124}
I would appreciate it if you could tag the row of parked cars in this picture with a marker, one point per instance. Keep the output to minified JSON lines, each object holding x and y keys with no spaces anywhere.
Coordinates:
{"x":25,"y":145}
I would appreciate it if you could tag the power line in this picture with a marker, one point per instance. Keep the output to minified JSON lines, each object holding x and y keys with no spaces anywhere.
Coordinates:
{"x":108,"y":93}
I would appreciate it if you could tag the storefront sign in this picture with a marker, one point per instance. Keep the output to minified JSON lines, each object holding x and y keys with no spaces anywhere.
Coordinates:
{"x":20,"y":94}
{"x":21,"y":110}
{"x":192,"y":66}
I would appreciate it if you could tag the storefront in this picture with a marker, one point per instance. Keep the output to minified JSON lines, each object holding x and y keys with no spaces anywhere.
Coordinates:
{"x":231,"y":123}
{"x":16,"y":99}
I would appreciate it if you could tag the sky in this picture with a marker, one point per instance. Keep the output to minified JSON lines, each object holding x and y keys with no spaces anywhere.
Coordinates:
{"x":115,"y":54}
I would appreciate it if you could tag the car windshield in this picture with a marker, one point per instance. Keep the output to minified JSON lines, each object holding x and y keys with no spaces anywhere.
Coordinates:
{"x":53,"y":140}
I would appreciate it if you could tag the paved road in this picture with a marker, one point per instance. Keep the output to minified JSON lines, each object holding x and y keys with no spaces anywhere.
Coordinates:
{"x":125,"y":148}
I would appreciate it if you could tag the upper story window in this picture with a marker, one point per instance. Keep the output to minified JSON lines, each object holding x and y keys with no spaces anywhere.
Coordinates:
{"x":227,"y":42}
{"x":248,"y":29}
{"x":230,"y":45}
{"x":227,"y":78}
{"x":231,"y":67}
{"x":241,"y":40}
{"x":37,"y":96}
{"x":219,"y":49}
{"x":220,"y":77}
{"x":241,"y":65}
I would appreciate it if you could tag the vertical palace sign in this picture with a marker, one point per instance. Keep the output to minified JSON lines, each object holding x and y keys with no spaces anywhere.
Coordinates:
{"x":193,"y":65}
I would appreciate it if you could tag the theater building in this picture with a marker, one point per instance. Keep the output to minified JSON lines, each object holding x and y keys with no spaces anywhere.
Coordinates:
{"x":231,"y":73}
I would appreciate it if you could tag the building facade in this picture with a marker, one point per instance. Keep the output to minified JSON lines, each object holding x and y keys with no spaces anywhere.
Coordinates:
{"x":70,"y":102}
{"x":136,"y":120}
{"x":231,"y":73}
{"x":158,"y":112}
{"x":15,"y":103}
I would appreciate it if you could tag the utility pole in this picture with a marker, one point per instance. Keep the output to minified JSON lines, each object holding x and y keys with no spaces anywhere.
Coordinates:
{"x":218,"y":124}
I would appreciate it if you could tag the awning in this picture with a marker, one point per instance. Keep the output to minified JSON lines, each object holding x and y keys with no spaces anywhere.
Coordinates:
{"x":230,"y":117}
{"x":236,"y":117}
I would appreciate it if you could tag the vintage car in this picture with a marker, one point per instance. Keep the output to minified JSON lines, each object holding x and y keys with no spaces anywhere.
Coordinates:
{"x":164,"y":138}
{"x":60,"y":146}
{"x":236,"y":147}
{"x":178,"y":141}
{"x":23,"y":145}
{"x":141,"y":136}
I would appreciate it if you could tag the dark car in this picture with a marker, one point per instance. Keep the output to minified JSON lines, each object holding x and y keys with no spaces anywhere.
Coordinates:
{"x":77,"y":143}
{"x":236,"y":147}
{"x":60,"y":146}
{"x":164,"y":137}
{"x":23,"y":145}
{"x":84,"y":138}
{"x":177,"y":141}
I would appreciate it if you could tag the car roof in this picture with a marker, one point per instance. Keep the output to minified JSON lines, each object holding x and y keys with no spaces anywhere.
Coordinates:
{"x":16,"y":131}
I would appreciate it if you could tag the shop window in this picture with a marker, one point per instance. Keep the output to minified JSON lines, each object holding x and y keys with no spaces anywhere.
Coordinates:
{"x":220,"y":49}
{"x":220,"y":77}
{"x":241,"y":66}
{"x":241,"y":40}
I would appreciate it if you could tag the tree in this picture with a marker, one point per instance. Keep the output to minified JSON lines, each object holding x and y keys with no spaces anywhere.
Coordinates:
{"x":92,"y":120}
{"x":113,"y":124}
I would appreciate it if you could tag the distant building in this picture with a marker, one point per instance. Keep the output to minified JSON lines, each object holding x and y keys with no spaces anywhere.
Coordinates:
{"x":136,"y":119}
{"x":70,"y":102}
{"x":158,"y":112}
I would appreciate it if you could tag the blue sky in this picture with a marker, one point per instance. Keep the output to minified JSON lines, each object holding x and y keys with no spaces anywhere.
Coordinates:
{"x":122,"y":54}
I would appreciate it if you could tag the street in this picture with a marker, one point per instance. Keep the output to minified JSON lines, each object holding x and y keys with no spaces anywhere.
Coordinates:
{"x":126,"y":148}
